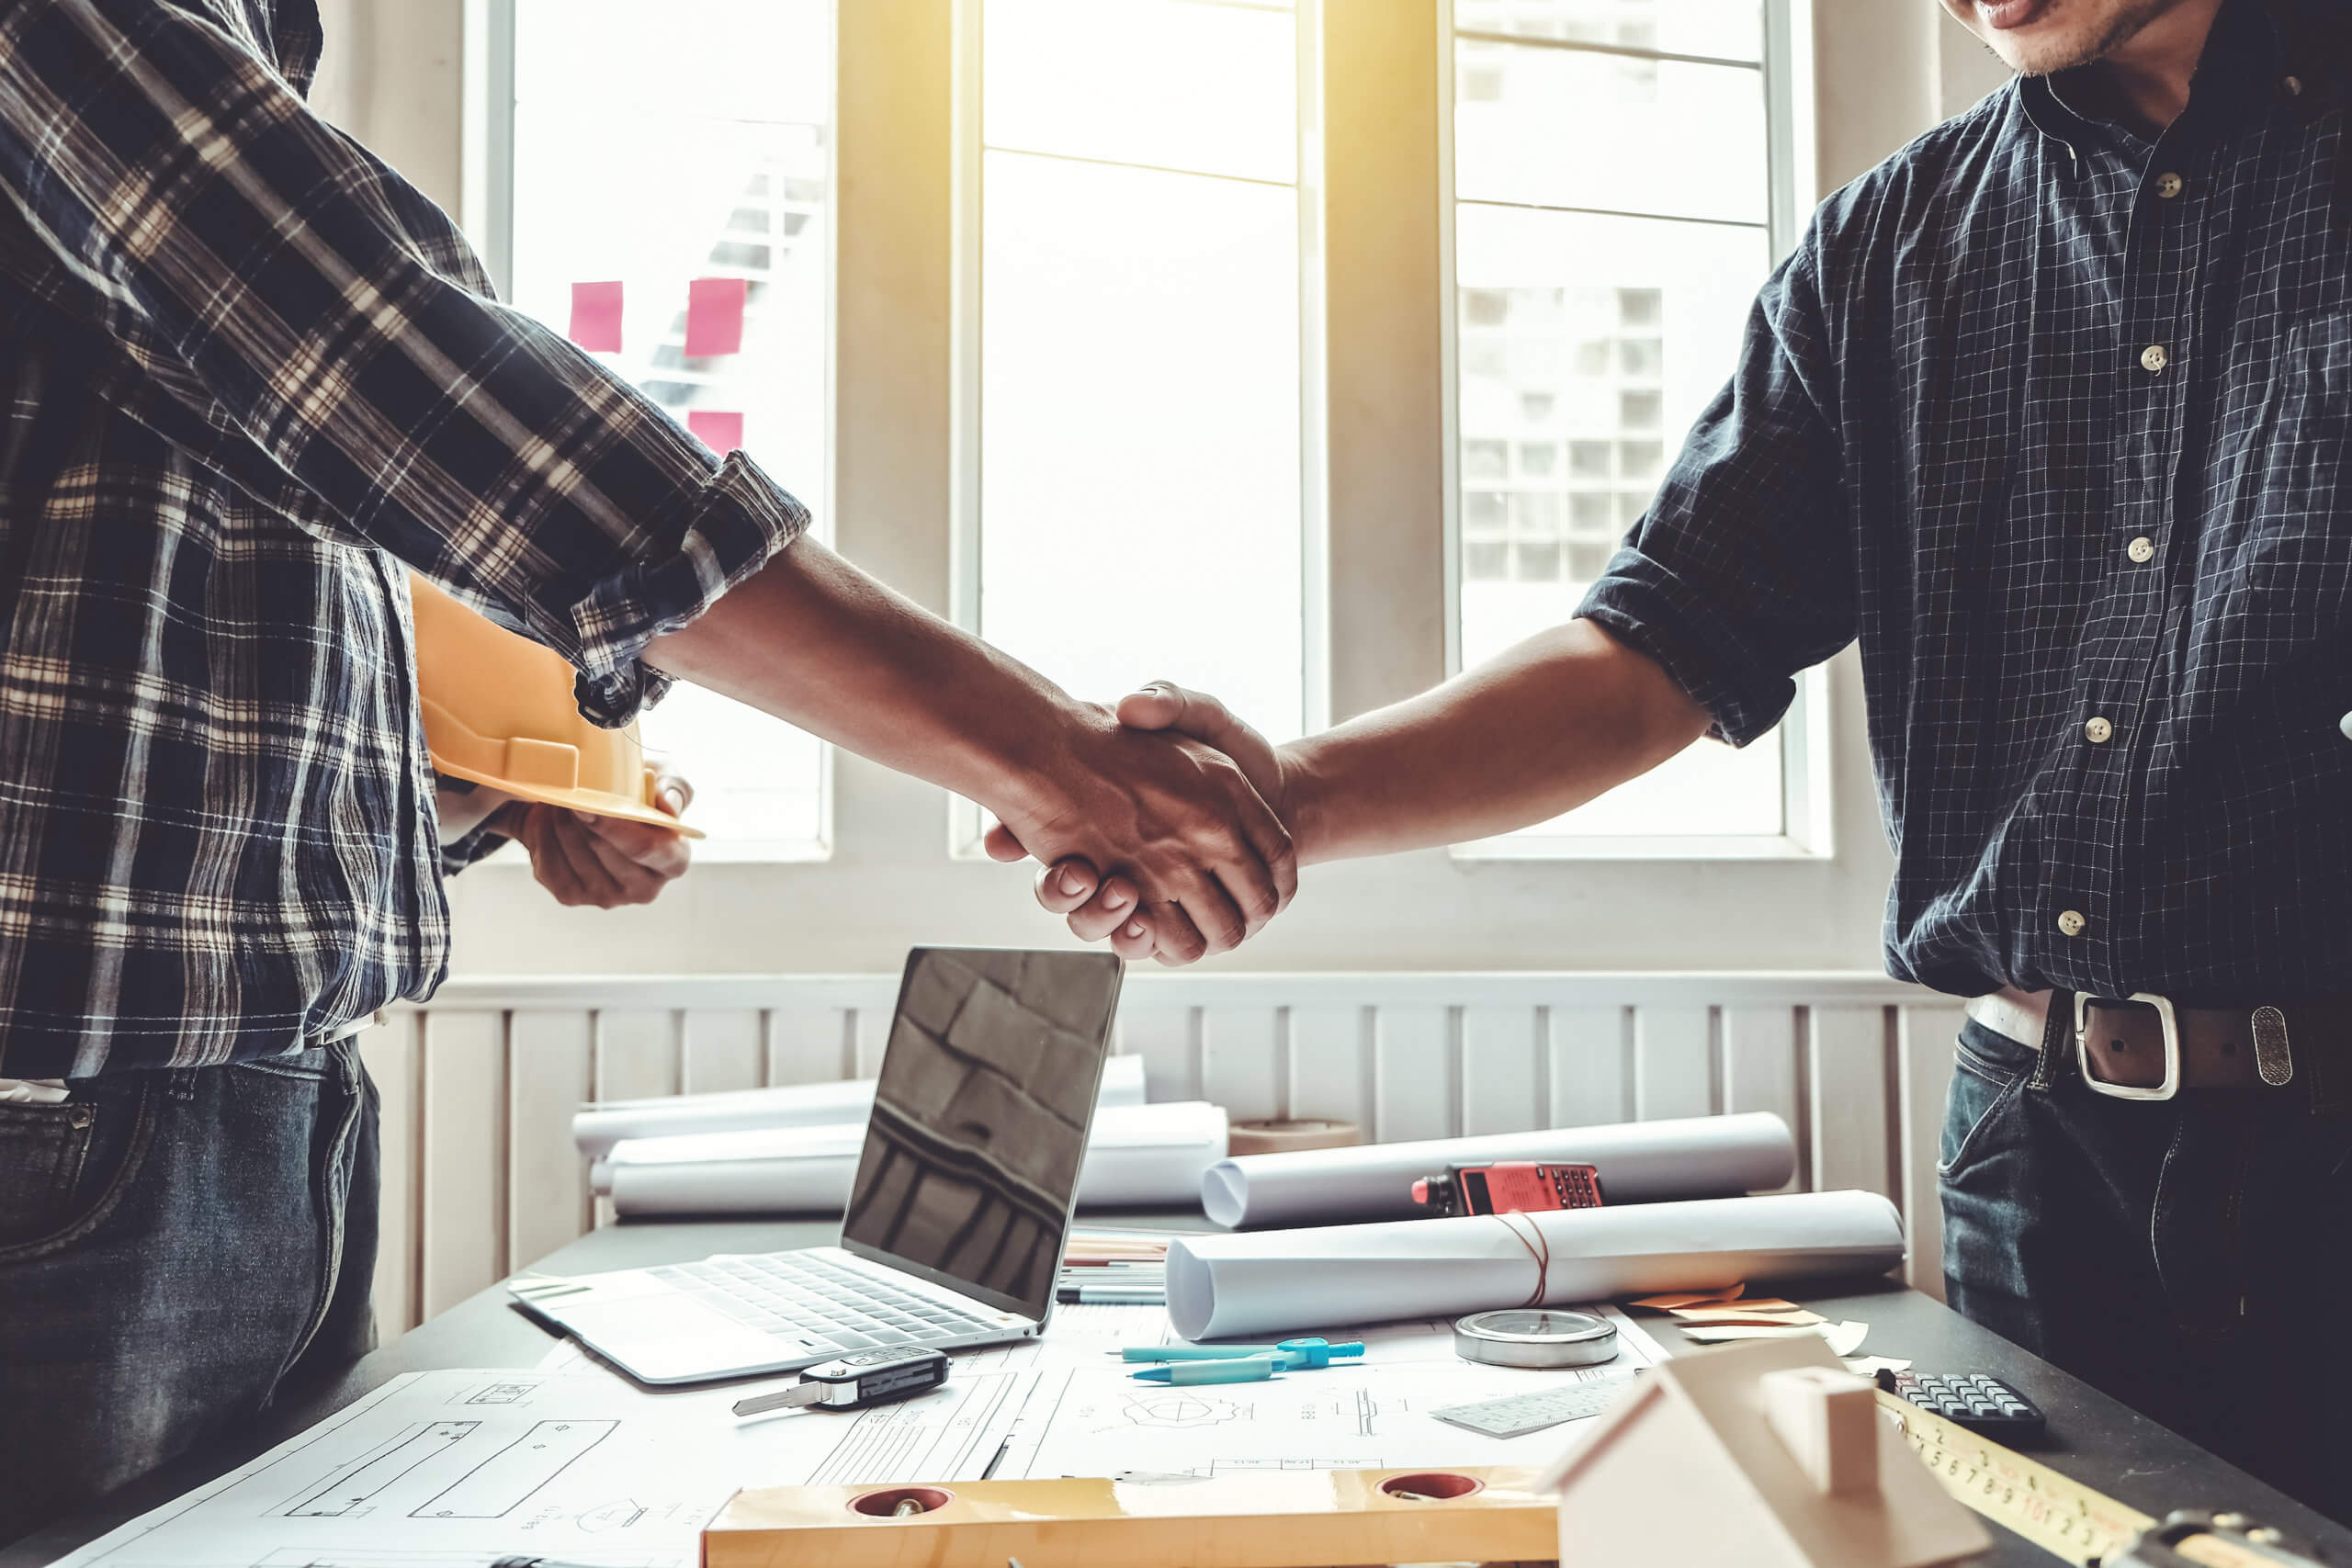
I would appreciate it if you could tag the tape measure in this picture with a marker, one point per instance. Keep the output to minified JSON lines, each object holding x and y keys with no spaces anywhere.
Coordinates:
{"x":2068,"y":1519}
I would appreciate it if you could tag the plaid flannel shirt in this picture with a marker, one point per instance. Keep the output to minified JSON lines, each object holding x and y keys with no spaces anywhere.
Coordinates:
{"x":252,"y":375}
{"x":2057,"y":422}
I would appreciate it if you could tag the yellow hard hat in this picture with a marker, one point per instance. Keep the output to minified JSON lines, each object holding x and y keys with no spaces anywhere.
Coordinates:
{"x":499,"y":711}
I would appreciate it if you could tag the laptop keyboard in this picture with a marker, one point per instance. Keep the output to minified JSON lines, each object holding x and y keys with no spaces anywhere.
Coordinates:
{"x":821,"y":1304}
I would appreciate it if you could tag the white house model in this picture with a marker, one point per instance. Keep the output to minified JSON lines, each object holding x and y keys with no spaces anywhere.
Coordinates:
{"x":1770,"y":1455}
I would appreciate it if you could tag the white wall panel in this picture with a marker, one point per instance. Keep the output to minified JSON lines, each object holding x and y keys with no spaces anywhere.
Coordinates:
{"x":1592,"y":1080}
{"x":1414,"y":1078}
{"x":1239,"y":1059}
{"x":464,"y":1115}
{"x":1760,"y":1072}
{"x":1163,"y":1037}
{"x":549,"y":1064}
{"x":1847,"y":1069}
{"x":481,"y":1175}
{"x":1928,"y":1035}
{"x":1673,"y":1062}
{"x":722,"y":1050}
{"x":809,"y":1045}
{"x":637,"y":1052}
{"x":1330,"y":1063}
{"x":392,"y":1060}
{"x":1505,"y":1063}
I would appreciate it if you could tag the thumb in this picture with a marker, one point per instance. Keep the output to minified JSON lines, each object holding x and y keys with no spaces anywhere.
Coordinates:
{"x":1163,"y":704}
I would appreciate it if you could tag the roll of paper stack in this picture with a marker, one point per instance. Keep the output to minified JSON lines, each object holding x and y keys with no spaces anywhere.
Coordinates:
{"x":1138,"y":1156}
{"x":1639,"y":1162}
{"x":597,"y":1127}
{"x":1268,"y":1282}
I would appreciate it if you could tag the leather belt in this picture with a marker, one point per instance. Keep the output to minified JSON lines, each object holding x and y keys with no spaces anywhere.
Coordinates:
{"x":2144,"y":1047}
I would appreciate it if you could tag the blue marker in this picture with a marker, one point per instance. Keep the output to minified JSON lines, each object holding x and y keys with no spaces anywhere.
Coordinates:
{"x":1297,"y":1355}
{"x":1233,"y":1369}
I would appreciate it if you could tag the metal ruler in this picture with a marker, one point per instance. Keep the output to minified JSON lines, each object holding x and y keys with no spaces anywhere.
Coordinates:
{"x":2061,"y":1516}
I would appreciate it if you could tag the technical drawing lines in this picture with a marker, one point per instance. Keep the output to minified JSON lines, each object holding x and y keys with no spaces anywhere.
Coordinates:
{"x":353,"y":1490}
{"x":501,"y":1482}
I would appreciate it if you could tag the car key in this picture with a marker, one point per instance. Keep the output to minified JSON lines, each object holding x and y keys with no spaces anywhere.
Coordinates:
{"x":855,"y":1381}
{"x":1975,"y":1402}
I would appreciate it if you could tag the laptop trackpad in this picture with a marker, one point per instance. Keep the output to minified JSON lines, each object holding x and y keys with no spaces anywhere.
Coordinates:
{"x":667,"y":1340}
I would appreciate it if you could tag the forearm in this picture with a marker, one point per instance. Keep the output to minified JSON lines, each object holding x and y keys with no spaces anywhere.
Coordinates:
{"x":1537,"y":730}
{"x":814,"y":640}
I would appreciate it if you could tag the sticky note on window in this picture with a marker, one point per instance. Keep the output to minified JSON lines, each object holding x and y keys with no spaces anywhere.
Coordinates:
{"x":597,"y":316}
{"x":713,"y":316}
{"x":721,"y":430}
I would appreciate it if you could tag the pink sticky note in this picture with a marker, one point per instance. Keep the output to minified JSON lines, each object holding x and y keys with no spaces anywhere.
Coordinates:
{"x":713,"y":316}
{"x":597,"y":316}
{"x":721,"y":430}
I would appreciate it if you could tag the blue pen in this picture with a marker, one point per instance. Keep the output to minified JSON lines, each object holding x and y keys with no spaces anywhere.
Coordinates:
{"x":1238,"y":1369}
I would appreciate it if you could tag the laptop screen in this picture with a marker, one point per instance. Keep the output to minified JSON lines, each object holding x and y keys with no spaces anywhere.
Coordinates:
{"x":988,"y":1085}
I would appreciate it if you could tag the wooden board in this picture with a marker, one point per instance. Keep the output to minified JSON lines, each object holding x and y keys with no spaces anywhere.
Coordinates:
{"x":1287,"y":1519}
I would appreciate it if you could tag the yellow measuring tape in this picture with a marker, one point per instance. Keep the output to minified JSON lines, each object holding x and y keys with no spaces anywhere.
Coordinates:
{"x":2058,"y":1514}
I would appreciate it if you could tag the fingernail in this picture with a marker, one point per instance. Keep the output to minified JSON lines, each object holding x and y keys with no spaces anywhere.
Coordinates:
{"x":1072,"y":882}
{"x":1114,"y":899}
{"x":1135,"y":928}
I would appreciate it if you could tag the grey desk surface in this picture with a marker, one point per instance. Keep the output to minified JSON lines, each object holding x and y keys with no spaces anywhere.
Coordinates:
{"x":2093,"y":1438}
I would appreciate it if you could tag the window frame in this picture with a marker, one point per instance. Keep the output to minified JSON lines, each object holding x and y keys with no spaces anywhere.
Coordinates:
{"x":1807,"y":829}
{"x":487,"y":214}
{"x":1354,"y":611}
{"x":967,"y":821}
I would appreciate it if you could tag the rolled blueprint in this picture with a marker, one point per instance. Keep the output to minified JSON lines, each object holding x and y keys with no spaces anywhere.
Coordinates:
{"x":1136,"y":1156}
{"x":597,"y":1127}
{"x":1266,"y":1282}
{"x":1640,"y":1162}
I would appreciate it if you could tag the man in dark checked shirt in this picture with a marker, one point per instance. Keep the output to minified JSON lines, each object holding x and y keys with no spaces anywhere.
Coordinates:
{"x":2052,"y":413}
{"x":248,"y":379}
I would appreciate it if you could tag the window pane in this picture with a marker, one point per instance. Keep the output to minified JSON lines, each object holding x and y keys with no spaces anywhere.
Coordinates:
{"x":1724,"y":29}
{"x":1605,"y":337}
{"x":1565,"y":128}
{"x":1171,"y":82}
{"x":659,"y":141}
{"x":1139,"y":430}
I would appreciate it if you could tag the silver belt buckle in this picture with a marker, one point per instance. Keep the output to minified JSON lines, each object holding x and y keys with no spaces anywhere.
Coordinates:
{"x":2164,"y":1090}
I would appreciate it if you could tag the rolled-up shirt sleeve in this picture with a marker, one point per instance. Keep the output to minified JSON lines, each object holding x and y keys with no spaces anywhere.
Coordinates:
{"x":183,"y":203}
{"x":1743,"y":572}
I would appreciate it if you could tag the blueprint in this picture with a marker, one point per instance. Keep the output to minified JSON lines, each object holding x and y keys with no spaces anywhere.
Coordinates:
{"x":1093,"y":1418}
{"x":456,"y":1468}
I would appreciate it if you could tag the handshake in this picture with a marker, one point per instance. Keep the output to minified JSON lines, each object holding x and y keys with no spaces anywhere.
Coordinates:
{"x":1171,"y":829}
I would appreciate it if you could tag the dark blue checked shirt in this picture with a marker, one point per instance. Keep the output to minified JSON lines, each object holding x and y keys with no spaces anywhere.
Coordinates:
{"x":2057,"y":422}
{"x":248,"y":376}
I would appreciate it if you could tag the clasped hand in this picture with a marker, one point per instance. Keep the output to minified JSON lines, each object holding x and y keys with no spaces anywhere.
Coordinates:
{"x":1253,"y":869}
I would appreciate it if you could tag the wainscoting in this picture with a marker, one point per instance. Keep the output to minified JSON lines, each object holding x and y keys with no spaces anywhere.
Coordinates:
{"x":480,"y":1177}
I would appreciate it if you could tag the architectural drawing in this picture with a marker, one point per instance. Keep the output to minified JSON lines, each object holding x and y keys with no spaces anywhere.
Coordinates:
{"x":355,"y":1490}
{"x":502,"y":1481}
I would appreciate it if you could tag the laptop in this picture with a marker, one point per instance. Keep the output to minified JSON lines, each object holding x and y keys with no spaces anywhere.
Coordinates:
{"x":960,"y":1212}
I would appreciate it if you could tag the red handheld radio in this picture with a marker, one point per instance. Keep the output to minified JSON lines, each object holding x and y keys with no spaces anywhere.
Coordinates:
{"x":1508,"y":1186}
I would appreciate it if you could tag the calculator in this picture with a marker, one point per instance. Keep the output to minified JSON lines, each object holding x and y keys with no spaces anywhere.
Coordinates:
{"x":1975,"y":1402}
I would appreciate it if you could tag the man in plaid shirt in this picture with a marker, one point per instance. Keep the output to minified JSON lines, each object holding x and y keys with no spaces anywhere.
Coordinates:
{"x":2051,"y":412}
{"x":252,"y":378}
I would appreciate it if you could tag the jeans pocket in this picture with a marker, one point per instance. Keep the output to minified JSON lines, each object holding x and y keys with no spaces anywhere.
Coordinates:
{"x":1989,"y":1072}
{"x":64,"y":1167}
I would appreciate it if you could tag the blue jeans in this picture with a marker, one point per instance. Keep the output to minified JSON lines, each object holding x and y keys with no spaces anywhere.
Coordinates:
{"x":178,"y":1249}
{"x":2191,"y":1257}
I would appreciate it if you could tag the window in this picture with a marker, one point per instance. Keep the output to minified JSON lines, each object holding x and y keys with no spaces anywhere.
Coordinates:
{"x":1598,"y":302}
{"x":676,"y":159}
{"x":1135,"y":500}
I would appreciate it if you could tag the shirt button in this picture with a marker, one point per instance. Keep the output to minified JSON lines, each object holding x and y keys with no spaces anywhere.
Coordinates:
{"x":2153,"y":357}
{"x":2071,"y":923}
{"x":2169,"y":186}
{"x":2098,"y":732}
{"x":2142,"y":549}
